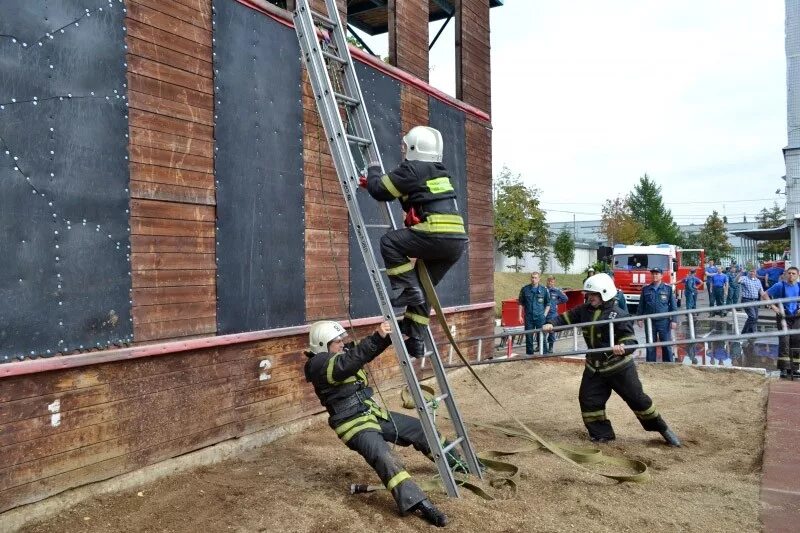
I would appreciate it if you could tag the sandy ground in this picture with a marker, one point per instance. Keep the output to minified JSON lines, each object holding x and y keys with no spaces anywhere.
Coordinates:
{"x":300,"y":483}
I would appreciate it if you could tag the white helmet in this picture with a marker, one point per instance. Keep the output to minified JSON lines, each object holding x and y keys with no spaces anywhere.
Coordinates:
{"x":424,"y":144}
{"x":321,"y":333}
{"x":601,"y":284}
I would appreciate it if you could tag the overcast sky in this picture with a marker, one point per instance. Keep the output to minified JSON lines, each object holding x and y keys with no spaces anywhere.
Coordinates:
{"x":588,"y":95}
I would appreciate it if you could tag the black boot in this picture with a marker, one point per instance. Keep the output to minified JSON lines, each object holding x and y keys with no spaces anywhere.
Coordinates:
{"x":409,"y":297}
{"x":415,"y":347}
{"x":671,"y":438}
{"x":430,"y":513}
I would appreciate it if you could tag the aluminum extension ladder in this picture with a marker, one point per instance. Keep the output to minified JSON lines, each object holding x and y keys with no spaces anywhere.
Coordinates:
{"x":328,"y":61}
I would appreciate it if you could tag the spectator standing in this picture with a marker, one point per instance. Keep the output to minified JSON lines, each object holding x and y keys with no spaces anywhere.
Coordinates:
{"x":557,"y":297}
{"x":761,"y":274}
{"x":719,"y":283}
{"x":658,"y":298}
{"x":691,"y":282}
{"x":621,"y":302}
{"x":751,"y":291}
{"x":787,"y":317}
{"x":734,"y":276}
{"x":711,"y":270}
{"x":774,"y":274}
{"x":535,"y":302}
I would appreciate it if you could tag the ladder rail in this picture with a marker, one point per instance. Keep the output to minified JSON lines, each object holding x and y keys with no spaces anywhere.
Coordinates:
{"x":340,"y":141}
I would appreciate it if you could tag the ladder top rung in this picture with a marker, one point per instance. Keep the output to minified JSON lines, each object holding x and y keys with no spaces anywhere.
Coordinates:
{"x":358,"y":140}
{"x":381,"y":226}
{"x":334,"y":57}
{"x":438,"y":399}
{"x":323,"y":20}
{"x":347,"y":99}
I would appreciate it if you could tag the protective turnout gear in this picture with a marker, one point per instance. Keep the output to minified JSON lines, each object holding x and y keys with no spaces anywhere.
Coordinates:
{"x":435,"y":231}
{"x":415,"y":347}
{"x":424,"y":144}
{"x":322,"y":333}
{"x":409,"y":297}
{"x":362,"y":424}
{"x":671,"y":438}
{"x":606,"y":371}
{"x":430,"y":513}
{"x":601,"y":284}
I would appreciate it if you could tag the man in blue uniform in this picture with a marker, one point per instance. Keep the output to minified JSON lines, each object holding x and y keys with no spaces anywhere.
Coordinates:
{"x":621,"y":302}
{"x":734,"y":289}
{"x":788,"y":313}
{"x":691,"y":282}
{"x":535,"y":301}
{"x":340,"y":382}
{"x":774,"y":274}
{"x":719,"y":287}
{"x":658,"y":298}
{"x":557,"y":297}
{"x":752,"y":290}
{"x":434,"y":229}
{"x":711,"y":270}
{"x":761,"y":274}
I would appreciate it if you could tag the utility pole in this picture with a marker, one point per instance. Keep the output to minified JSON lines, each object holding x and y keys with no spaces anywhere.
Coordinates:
{"x":574,"y":229}
{"x":791,"y":154}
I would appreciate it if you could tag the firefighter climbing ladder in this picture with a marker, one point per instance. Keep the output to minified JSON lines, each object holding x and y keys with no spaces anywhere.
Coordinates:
{"x":333,"y":79}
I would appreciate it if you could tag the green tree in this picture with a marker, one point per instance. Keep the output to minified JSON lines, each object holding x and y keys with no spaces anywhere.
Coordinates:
{"x":564,"y":249}
{"x":772,"y":218}
{"x":647,"y":208}
{"x":714,"y":238}
{"x":519,"y":222}
{"x":618,"y":225}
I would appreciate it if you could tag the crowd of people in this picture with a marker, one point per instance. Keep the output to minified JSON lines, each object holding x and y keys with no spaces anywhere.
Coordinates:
{"x":728,"y":285}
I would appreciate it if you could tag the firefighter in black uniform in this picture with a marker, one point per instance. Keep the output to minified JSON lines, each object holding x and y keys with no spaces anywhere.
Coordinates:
{"x":336,"y":371}
{"x":610,"y":370}
{"x":434,"y":229}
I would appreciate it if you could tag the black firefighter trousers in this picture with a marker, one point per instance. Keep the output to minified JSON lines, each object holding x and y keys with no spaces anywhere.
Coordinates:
{"x":372,"y":445}
{"x":439,"y":254}
{"x":595,"y":391}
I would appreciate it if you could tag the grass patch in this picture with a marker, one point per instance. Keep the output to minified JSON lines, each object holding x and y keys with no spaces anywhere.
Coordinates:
{"x":508,"y":284}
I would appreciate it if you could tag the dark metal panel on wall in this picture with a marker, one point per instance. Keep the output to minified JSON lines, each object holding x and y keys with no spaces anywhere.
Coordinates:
{"x":65,"y":265}
{"x":382,"y":99}
{"x":259,"y":171}
{"x":454,"y":288}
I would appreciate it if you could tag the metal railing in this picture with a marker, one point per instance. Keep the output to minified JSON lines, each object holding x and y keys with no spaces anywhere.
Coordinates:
{"x":692,"y":339}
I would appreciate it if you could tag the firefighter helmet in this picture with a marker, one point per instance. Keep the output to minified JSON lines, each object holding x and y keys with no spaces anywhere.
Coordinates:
{"x":424,"y":144}
{"x":602,"y":284}
{"x":322,"y":333}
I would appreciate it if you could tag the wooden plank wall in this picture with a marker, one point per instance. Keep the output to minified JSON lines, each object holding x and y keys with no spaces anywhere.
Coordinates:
{"x":122,"y":416}
{"x":473,"y":69}
{"x":481,"y":211}
{"x":171,"y":99}
{"x":326,"y":233}
{"x":408,"y":36}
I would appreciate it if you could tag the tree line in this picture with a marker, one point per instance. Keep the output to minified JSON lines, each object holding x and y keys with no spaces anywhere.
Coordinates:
{"x":639,"y":217}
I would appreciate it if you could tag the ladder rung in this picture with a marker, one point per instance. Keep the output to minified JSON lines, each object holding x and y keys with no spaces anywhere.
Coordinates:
{"x":452,"y":445}
{"x":438,"y":399}
{"x":349,"y":100}
{"x":381,"y":226}
{"x":334,"y":57}
{"x":323,"y":20}
{"x":358,"y":140}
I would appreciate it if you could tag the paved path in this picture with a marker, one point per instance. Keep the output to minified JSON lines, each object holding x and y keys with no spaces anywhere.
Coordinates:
{"x":780,"y":480}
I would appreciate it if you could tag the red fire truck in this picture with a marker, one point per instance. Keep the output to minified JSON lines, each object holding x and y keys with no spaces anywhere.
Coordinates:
{"x":632,"y":264}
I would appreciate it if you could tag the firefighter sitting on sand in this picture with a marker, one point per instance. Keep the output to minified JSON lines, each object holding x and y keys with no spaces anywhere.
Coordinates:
{"x":340,"y":382}
{"x":434,"y":229}
{"x":610,"y":370}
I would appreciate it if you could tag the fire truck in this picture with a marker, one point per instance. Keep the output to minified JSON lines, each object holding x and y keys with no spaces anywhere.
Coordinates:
{"x":632,"y":264}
